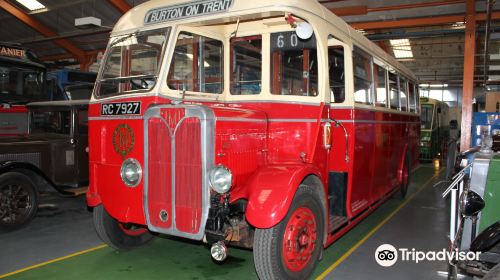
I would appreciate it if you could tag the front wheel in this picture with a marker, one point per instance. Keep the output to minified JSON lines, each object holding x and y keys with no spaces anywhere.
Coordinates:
{"x":405,"y":179}
{"x":18,"y":200}
{"x":117,"y":235}
{"x":291,"y":249}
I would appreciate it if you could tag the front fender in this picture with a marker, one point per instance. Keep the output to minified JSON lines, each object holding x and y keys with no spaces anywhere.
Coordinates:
{"x":271,"y":191}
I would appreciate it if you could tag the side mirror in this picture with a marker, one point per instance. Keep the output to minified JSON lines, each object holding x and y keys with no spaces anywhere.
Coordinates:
{"x":471,"y":203}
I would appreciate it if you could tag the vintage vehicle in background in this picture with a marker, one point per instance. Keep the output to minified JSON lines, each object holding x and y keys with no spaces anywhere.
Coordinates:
{"x":52,"y":156}
{"x":434,"y":130}
{"x":269,"y":124}
{"x":69,"y":84}
{"x":22,"y":80}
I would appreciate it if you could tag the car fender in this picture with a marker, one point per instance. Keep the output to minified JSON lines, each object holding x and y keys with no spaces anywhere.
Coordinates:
{"x":271,"y":191}
{"x":27,"y":168}
{"x":402,"y":162}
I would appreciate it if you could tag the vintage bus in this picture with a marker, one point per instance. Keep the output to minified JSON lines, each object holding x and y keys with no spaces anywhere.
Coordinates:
{"x":270,"y":125}
{"x":434,"y":129}
{"x":22,"y":80}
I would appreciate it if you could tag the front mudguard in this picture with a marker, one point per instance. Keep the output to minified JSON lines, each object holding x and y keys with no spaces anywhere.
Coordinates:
{"x":270,"y":192}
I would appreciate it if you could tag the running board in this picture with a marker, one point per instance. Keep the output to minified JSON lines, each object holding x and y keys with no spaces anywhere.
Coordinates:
{"x":336,"y":222}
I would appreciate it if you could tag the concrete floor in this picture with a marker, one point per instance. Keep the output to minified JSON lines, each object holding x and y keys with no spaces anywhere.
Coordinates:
{"x":64,"y":226}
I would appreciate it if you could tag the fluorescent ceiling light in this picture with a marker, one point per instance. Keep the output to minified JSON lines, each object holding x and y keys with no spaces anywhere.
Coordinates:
{"x":434,"y":85}
{"x":32,"y":5}
{"x":401,"y":48}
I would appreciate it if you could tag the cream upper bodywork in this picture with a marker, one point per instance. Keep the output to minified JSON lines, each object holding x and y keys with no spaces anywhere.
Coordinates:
{"x":261,"y":17}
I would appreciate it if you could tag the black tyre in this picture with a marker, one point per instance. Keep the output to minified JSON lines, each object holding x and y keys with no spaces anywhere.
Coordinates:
{"x":405,"y":179}
{"x":116,"y":235}
{"x":292,"y":248}
{"x":18,"y":200}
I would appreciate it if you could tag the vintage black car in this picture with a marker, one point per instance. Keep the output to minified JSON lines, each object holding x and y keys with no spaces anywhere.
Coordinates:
{"x":52,"y":156}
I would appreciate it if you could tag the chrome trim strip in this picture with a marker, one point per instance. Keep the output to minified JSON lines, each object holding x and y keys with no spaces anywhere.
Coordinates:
{"x":224,"y":119}
{"x":207,"y":123}
{"x":111,"y":118}
{"x":294,"y":120}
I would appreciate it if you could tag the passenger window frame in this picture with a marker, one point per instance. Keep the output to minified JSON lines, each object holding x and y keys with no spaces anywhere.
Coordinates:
{"x":332,"y":42}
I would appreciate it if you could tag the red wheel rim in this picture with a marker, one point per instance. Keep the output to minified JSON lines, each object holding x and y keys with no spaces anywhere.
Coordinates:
{"x":133,"y":230}
{"x":299,"y":239}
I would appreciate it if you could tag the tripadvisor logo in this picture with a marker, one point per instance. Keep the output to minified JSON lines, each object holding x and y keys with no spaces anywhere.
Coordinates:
{"x":387,"y":255}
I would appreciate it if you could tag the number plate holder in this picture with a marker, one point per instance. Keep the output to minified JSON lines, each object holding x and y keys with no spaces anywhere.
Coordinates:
{"x":121,"y":108}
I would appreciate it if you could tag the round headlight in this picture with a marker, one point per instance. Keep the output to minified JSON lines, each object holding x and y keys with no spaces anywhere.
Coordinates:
{"x":131,"y":172}
{"x":220,"y":179}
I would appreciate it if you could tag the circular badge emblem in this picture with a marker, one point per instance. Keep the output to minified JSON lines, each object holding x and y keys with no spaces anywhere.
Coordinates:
{"x":386,"y":255}
{"x":123,"y":139}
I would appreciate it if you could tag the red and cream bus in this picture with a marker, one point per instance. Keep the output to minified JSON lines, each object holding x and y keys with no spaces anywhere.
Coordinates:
{"x":269,"y":124}
{"x":22,"y":80}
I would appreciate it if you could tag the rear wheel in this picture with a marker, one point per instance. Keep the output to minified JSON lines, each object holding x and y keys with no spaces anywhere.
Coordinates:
{"x":291,"y":249}
{"x":405,"y":178}
{"x":18,"y":200}
{"x":117,"y":235}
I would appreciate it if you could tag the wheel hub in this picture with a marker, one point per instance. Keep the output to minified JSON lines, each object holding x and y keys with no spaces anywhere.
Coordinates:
{"x":299,"y":239}
{"x":13,"y":199}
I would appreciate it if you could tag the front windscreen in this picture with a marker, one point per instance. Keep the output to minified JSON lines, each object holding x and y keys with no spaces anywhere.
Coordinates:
{"x":55,"y":122}
{"x":20,"y":85}
{"x":132,"y":62}
{"x":426,"y":116}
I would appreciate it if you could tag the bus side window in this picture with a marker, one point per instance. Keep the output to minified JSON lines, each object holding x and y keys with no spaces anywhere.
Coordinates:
{"x":393,"y":90}
{"x":362,"y":77}
{"x":411,"y":96}
{"x":336,"y":71}
{"x":294,"y":66}
{"x":403,"y":91}
{"x":246,"y":64}
{"x":197,"y":64}
{"x":380,"y":74}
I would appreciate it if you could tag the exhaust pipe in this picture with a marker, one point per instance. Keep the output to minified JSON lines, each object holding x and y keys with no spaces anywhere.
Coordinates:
{"x":219,"y":251}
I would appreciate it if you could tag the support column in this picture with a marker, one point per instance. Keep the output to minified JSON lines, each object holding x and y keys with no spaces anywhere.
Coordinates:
{"x":468,"y":82}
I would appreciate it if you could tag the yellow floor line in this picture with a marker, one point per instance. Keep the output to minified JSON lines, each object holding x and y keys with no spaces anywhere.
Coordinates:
{"x":348,"y":253}
{"x":54,"y":260}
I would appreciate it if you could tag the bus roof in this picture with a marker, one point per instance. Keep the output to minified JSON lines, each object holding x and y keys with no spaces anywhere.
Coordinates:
{"x":138,"y":17}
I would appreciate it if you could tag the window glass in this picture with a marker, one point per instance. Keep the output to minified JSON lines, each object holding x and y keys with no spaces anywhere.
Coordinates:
{"x":336,"y":73}
{"x":362,"y":77}
{"x":426,"y":116}
{"x":246,"y":64}
{"x":58,"y":122}
{"x":411,"y":96}
{"x":197,"y":64}
{"x":132,"y":62}
{"x":21,"y":85}
{"x":393,"y":90}
{"x":403,"y":93}
{"x":294,"y":66}
{"x":417,"y":91}
{"x":380,"y":82}
{"x":83,"y":122}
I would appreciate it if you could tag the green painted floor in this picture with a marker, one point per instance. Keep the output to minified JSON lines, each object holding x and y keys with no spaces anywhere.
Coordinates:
{"x":178,"y":259}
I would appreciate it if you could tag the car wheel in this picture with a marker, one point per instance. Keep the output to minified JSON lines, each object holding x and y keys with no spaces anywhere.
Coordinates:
{"x":117,"y":235}
{"x":18,"y":200}
{"x":292,"y":248}
{"x":405,"y":179}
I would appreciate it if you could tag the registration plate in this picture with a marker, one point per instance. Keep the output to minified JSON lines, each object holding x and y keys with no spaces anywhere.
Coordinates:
{"x":120,"y":109}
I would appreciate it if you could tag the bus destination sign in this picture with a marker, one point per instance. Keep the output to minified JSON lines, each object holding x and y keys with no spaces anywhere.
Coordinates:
{"x":12,"y":52}
{"x":186,"y":10}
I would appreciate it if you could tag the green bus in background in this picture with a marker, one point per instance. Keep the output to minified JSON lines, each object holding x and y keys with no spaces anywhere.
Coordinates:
{"x":434,"y":130}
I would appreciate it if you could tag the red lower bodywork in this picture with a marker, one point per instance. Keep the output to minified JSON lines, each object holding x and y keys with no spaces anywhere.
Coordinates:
{"x":270,"y":149}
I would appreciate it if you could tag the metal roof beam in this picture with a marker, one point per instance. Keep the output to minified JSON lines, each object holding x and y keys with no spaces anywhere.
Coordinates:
{"x":363,"y":10}
{"x":121,"y":5}
{"x":422,"y":21}
{"x":40,"y":27}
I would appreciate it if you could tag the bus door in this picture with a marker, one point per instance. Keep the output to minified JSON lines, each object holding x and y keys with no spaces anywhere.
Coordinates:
{"x":338,"y":163}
